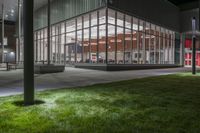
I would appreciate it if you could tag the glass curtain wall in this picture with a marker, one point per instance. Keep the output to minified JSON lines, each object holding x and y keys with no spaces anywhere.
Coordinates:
{"x":106,"y":36}
{"x":135,"y":41}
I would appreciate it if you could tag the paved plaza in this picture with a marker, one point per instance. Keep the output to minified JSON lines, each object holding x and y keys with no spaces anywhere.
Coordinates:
{"x":11,"y":82}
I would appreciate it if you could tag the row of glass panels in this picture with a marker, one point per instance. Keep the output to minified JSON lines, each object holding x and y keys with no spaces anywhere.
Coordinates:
{"x":106,"y":36}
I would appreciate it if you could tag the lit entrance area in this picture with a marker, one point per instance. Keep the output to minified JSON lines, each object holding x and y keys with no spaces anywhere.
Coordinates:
{"x":188,"y":51}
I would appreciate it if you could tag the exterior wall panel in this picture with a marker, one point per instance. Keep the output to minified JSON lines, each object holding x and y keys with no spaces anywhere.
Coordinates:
{"x":159,"y":12}
{"x":64,"y":9}
{"x":186,"y":19}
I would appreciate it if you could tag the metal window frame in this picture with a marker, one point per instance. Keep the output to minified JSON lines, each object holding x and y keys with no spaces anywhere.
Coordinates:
{"x":106,"y":48}
{"x":116,"y":37}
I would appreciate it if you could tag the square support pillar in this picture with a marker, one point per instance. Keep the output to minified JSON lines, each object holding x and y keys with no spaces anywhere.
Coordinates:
{"x":28,"y":52}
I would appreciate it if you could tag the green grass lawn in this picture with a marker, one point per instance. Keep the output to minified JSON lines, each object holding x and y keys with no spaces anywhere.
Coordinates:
{"x":165,"y":104}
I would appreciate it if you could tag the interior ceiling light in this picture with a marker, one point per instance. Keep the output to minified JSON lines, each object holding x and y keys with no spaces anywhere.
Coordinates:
{"x":102,"y":42}
{"x":12,"y":11}
{"x":93,"y":43}
{"x":129,"y":39}
{"x":118,"y":40}
{"x":86,"y":44}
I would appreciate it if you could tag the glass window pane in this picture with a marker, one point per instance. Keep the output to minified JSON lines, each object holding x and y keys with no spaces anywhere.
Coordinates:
{"x":166,"y":45}
{"x":111,"y":16}
{"x":63,"y":39}
{"x":70,"y":37}
{"x":120,"y":19}
{"x":39,"y":50}
{"x":53,"y":32}
{"x":94,"y":19}
{"x":128,"y":46}
{"x":93,"y":44}
{"x":86,"y":21}
{"x":142,"y":26}
{"x":79,"y":47}
{"x":147,"y":47}
{"x":161,"y":51}
{"x":102,"y":44}
{"x":38,"y":35}
{"x":135,"y":50}
{"x":128,"y":22}
{"x":79,"y":23}
{"x":70,"y":48}
{"x":120,"y":45}
{"x":135,"y":24}
{"x":102,"y":16}
{"x":35,"y":36}
{"x":62,"y":28}
{"x":42,"y":34}
{"x":70,"y":26}
{"x":152,"y":48}
{"x":157,"y":49}
{"x":53,"y":45}
{"x":157,"y":30}
{"x":166,"y":33}
{"x":147,"y":28}
{"x":141,"y":54}
{"x":153,"y":28}
{"x":57,"y":29}
{"x":86,"y":53}
{"x":162,"y":32}
{"x":45,"y":50}
{"x":111,"y":44}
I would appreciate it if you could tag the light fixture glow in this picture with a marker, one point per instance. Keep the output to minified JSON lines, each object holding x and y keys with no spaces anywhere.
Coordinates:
{"x":12,"y":53}
{"x":102,"y":42}
{"x":12,"y":11}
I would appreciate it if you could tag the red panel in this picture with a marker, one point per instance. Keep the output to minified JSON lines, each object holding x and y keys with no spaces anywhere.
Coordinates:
{"x":198,"y":59}
{"x":186,"y":63}
{"x":188,"y":43}
{"x":190,"y":63}
{"x":190,"y":56}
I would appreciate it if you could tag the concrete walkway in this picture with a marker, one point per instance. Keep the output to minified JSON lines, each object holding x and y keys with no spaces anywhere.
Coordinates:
{"x":11,"y":82}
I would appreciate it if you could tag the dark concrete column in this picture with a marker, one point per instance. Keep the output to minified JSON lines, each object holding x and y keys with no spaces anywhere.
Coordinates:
{"x":199,"y":15}
{"x":194,"y":55}
{"x":28,"y":52}
{"x":48,"y":30}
